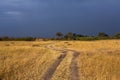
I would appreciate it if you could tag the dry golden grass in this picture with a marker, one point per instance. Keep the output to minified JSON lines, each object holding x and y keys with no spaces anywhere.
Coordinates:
{"x":98,"y":60}
{"x":99,"y":66}
{"x":22,"y":61}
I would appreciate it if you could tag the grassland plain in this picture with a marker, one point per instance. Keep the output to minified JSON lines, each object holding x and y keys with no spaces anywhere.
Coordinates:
{"x":98,"y":60}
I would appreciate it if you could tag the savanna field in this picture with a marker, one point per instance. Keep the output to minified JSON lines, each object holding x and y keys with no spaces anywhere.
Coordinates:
{"x":60,"y":60}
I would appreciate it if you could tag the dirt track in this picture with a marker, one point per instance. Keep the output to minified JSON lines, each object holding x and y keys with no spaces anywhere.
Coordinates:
{"x":52,"y":69}
{"x":73,"y":67}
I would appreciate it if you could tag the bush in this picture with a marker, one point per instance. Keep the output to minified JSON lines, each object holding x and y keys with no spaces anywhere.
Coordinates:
{"x":102,"y":34}
{"x":117,"y":35}
{"x":87,"y":38}
{"x":17,"y":39}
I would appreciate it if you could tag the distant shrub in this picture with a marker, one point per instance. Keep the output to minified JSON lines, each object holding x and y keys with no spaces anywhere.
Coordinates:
{"x":35,"y":45}
{"x":87,"y":38}
{"x":7,"y":44}
{"x":6,"y":38}
{"x":117,"y":35}
{"x":0,"y":39}
{"x":102,"y":34}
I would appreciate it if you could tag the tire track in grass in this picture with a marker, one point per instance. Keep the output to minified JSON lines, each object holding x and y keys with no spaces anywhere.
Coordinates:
{"x":54,"y":66}
{"x":74,"y":67}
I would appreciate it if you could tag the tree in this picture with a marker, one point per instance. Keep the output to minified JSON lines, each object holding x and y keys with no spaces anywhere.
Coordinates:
{"x":102,"y":34}
{"x":77,"y":36}
{"x":69,"y":36}
{"x":59,"y":35}
{"x":117,"y":35}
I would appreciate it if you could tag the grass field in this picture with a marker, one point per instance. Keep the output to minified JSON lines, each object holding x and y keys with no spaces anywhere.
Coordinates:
{"x":57,"y":60}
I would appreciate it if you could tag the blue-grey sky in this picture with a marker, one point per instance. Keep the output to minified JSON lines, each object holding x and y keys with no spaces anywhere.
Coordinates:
{"x":44,"y":18}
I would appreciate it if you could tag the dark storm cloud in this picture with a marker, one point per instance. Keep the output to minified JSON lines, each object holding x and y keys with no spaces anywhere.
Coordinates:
{"x":40,"y":17}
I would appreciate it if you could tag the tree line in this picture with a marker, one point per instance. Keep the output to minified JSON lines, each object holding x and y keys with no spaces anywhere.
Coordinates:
{"x":6,"y":38}
{"x":75,"y":36}
{"x":68,"y":36}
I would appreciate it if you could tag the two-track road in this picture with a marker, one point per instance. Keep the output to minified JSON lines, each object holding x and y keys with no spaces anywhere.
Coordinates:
{"x":74,"y":75}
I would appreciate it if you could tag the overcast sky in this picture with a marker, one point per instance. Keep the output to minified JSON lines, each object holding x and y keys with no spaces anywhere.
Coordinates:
{"x":44,"y":18}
